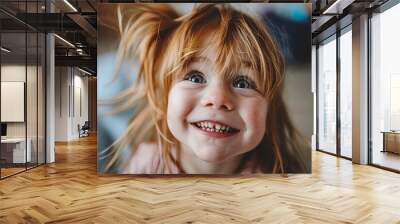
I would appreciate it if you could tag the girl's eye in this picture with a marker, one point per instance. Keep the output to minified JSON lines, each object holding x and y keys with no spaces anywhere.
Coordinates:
{"x":195,"y":77}
{"x":243,"y":82}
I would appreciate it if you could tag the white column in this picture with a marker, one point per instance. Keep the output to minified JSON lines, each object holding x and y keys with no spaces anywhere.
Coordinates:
{"x":50,"y":94}
{"x":314,"y":91}
{"x":360,"y":90}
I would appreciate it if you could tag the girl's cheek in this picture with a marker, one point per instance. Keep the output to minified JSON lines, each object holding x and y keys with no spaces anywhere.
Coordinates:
{"x":255,"y":112}
{"x":180,"y":100}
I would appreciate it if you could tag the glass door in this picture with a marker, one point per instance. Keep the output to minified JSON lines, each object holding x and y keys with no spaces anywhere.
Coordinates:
{"x":326,"y":82}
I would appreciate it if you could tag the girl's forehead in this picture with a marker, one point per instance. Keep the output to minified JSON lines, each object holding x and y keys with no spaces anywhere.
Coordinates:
{"x":211,"y":48}
{"x":208,"y":46}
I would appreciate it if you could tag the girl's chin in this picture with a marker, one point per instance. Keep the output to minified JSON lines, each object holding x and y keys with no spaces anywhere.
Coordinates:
{"x":210,"y":155}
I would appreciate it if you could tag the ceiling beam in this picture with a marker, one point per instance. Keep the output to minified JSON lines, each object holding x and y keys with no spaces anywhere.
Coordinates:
{"x":84,"y":24}
{"x":81,"y":61}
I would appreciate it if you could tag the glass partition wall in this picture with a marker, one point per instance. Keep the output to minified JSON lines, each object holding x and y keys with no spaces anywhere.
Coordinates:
{"x":334,"y":94}
{"x":13,"y":110}
{"x":22,"y":88}
{"x":345,"y":62}
{"x":385,"y":89}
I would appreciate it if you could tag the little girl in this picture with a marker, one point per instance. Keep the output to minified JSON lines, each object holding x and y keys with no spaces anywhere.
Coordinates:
{"x":208,"y":95}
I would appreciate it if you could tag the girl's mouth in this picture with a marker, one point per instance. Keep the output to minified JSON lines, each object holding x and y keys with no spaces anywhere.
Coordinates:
{"x":215,"y":129}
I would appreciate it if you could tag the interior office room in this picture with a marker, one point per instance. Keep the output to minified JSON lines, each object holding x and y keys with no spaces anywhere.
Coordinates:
{"x":49,"y":135}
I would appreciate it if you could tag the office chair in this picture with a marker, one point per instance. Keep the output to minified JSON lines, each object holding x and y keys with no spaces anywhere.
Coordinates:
{"x":84,"y":130}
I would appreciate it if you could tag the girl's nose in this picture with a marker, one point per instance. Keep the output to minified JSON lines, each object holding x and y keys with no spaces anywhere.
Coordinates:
{"x":218,"y":97}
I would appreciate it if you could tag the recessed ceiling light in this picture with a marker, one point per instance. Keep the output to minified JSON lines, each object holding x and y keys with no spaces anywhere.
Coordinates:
{"x":5,"y":50}
{"x":84,"y":71}
{"x":70,"y":5}
{"x":65,"y":41}
{"x":337,"y":7}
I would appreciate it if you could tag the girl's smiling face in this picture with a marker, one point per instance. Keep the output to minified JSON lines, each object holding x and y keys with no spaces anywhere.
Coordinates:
{"x":214,"y":116}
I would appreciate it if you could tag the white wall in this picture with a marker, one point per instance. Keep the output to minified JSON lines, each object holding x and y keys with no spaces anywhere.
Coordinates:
{"x":61,"y":103}
{"x":80,"y":84}
{"x":70,"y":83}
{"x":12,"y":73}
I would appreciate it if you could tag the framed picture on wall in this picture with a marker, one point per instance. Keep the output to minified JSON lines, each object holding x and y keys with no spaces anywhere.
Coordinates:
{"x":12,"y":101}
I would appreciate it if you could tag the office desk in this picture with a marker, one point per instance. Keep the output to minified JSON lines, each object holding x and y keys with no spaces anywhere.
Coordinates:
{"x":391,"y":141}
{"x":16,"y":147}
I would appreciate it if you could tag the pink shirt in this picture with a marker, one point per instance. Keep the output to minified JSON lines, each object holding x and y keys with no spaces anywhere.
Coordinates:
{"x":147,"y":160}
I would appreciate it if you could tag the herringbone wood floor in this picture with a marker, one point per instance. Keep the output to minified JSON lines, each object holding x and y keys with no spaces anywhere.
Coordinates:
{"x":70,"y":191}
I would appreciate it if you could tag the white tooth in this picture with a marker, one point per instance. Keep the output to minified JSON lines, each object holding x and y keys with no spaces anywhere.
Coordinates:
{"x":218,"y":126}
{"x":223,"y":128}
{"x":209,"y":125}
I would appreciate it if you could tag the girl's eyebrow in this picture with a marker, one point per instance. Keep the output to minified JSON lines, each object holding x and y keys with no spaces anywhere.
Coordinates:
{"x":200,"y":59}
{"x":245,"y":63}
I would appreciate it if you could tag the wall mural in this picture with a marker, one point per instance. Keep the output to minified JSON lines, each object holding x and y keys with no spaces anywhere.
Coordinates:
{"x":189,"y":88}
